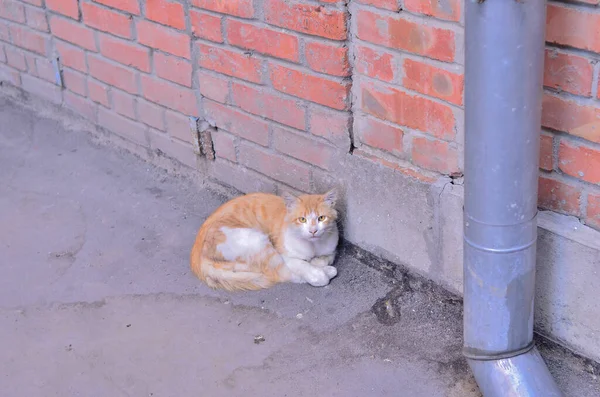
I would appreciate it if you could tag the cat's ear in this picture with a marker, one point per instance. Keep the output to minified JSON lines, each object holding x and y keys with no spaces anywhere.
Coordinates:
{"x":331,"y":197}
{"x":290,"y":200}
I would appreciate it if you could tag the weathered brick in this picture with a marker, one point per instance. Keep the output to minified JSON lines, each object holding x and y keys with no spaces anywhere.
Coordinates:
{"x":224,"y":146}
{"x":446,"y":9}
{"x":392,"y":5}
{"x":164,"y":39}
{"x":570,"y":73}
{"x":213,"y":87}
{"x":311,"y":19}
{"x":123,"y":103}
{"x":122,"y":126}
{"x":4,"y":35}
{"x":172,"y":148}
{"x":125,"y":52}
{"x":41,"y":88}
{"x":433,"y":81}
{"x":396,"y":32}
{"x":106,"y":20}
{"x":241,"y":178}
{"x":435,"y":155}
{"x":98,"y":92}
{"x":12,"y":10}
{"x":81,"y":106}
{"x":263,"y":40}
{"x":71,"y":56}
{"x":569,"y":116}
{"x":313,"y":88}
{"x":10,"y":75}
{"x":67,"y":8}
{"x":546,"y":152}
{"x":238,"y":8}
{"x":15,"y":58}
{"x":573,"y":27}
{"x":73,"y":33}
{"x":150,"y":114}
{"x":558,"y":196}
{"x":130,"y":6}
{"x":37,"y":3}
{"x":327,"y":58}
{"x":178,"y":126}
{"x":45,"y":69}
{"x":580,"y":161}
{"x":391,"y":104}
{"x":36,"y":19}
{"x":173,"y":69}
{"x":2,"y":54}
{"x":331,"y":125}
{"x":277,"y":167}
{"x":30,"y":40}
{"x":169,"y":95}
{"x":269,"y":105}
{"x":302,"y":147}
{"x":166,"y":13}
{"x":379,"y":135}
{"x":206,"y":26}
{"x":593,"y":210}
{"x":413,"y":173}
{"x":231,"y":63}
{"x":112,"y":74}
{"x":374,"y":63}
{"x":75,"y":81}
{"x":237,"y":122}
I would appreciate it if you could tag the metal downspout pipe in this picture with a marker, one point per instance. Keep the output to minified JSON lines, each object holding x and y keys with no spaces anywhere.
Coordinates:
{"x":503,"y":89}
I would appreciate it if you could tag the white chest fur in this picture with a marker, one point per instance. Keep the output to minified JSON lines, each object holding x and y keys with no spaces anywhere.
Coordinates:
{"x":301,"y":248}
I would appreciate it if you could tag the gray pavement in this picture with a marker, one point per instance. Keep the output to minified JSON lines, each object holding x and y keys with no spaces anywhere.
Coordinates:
{"x":96,"y":297}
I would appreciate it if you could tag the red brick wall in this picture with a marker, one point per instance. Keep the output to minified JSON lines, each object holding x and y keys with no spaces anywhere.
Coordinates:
{"x":292,"y":86}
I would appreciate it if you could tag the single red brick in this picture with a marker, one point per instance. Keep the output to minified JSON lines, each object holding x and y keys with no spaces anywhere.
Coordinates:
{"x":391,"y":104}
{"x":178,"y":126}
{"x":435,"y":155}
{"x":213,"y":87}
{"x":569,"y":116}
{"x":568,"y":72}
{"x":546,"y":152}
{"x":29,"y":39}
{"x":182,"y":152}
{"x":73,"y":33}
{"x":379,"y":135}
{"x":125,"y":52}
{"x":126,"y":128}
{"x":237,"y":122}
{"x":166,"y":13}
{"x":313,"y":88}
{"x":238,"y":8}
{"x":81,"y":106}
{"x":106,"y":20}
{"x":558,"y":196}
{"x":36,"y":19}
{"x":313,"y":19}
{"x":15,"y":58}
{"x":327,"y":58}
{"x":164,"y":39}
{"x":67,"y":8}
{"x":429,"y":80}
{"x":392,"y":5}
{"x":573,"y":27}
{"x":374,"y":63}
{"x":12,"y":10}
{"x":263,"y":40}
{"x":224,"y":146}
{"x":231,"y":63}
{"x":331,"y":125}
{"x":173,"y":69}
{"x":75,"y":81}
{"x":169,"y":95}
{"x":130,"y":6}
{"x":206,"y":26}
{"x":150,"y":114}
{"x":37,"y":3}
{"x":302,"y":147}
{"x":448,"y":9}
{"x":112,"y":74}
{"x":580,"y":161}
{"x":71,"y":56}
{"x":593,"y":210}
{"x":396,"y":32}
{"x":269,"y":105}
{"x":98,"y":92}
{"x":276,"y":167}
{"x":123,"y":103}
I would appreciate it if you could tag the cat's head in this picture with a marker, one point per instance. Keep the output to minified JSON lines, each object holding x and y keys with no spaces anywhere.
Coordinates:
{"x":312,"y":216}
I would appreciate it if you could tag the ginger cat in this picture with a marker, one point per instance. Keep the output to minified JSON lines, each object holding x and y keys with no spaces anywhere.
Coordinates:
{"x":258,"y":240}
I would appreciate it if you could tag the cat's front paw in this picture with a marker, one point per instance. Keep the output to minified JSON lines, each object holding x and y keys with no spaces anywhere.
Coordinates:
{"x":330,"y":271}
{"x":317,"y":277}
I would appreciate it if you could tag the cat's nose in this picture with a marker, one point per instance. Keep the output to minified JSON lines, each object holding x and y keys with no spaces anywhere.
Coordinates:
{"x":313,"y":232}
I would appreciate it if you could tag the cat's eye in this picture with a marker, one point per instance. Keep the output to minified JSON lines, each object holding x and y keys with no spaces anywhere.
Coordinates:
{"x":322,"y":218}
{"x":302,"y":219}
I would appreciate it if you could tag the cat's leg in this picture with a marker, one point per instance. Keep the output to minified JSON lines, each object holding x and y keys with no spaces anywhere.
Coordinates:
{"x":324,"y":262}
{"x":303,"y":272}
